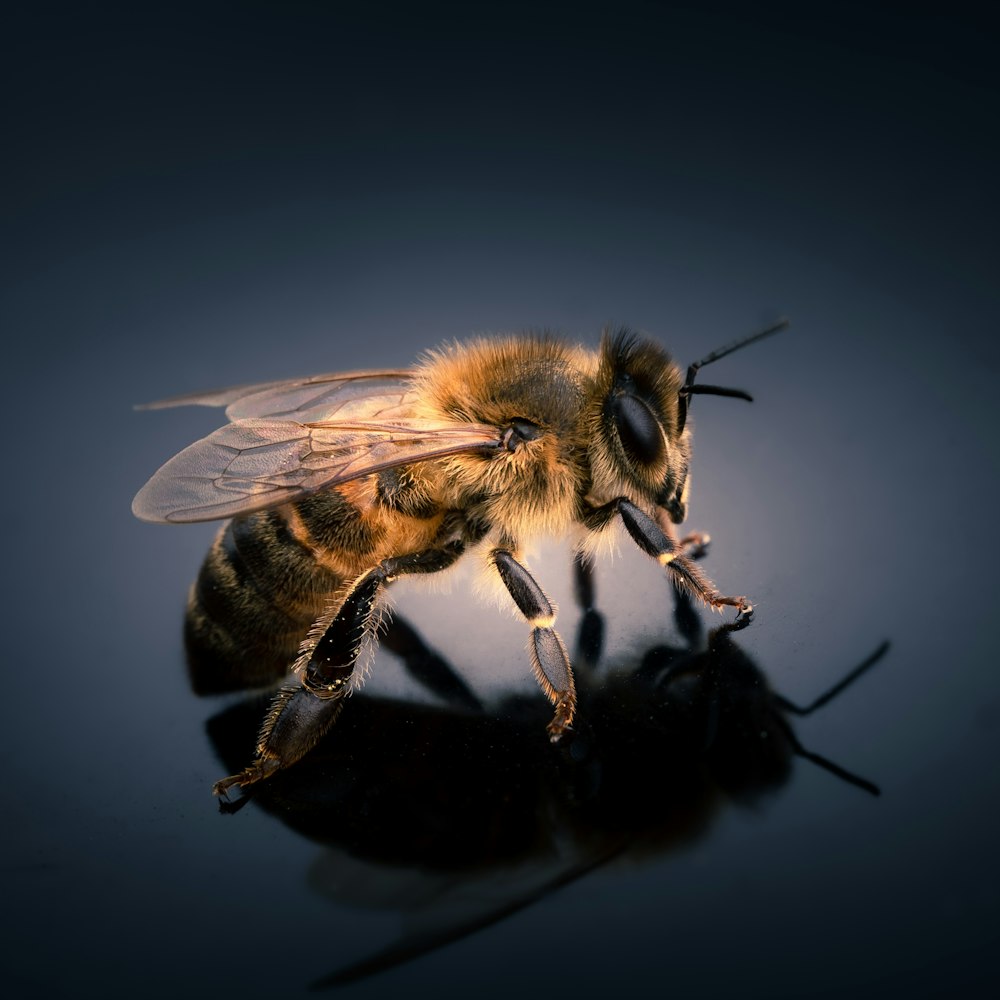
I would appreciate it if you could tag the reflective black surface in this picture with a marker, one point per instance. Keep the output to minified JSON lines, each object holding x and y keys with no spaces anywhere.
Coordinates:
{"x":476,"y":816}
{"x":203,"y":197}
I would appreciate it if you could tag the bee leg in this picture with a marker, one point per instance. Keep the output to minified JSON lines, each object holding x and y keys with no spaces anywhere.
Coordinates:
{"x":301,"y":714}
{"x":548,"y":654}
{"x":694,"y":545}
{"x":686,"y":618}
{"x":331,"y":661}
{"x":294,"y":724}
{"x":654,"y":541}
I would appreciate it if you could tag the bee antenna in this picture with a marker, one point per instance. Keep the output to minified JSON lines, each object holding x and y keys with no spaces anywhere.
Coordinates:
{"x":689,"y":389}
{"x":721,"y":352}
{"x":715,"y":390}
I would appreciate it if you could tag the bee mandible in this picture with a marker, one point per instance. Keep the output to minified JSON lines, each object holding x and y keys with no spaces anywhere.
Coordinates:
{"x":336,"y":485}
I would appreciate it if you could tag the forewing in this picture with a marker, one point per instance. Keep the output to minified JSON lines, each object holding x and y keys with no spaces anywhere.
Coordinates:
{"x":336,"y":394}
{"x":258,"y":463}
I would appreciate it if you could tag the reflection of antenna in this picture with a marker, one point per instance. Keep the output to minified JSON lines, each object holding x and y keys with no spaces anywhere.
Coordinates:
{"x":863,"y":667}
{"x":785,"y":705}
{"x":827,"y":765}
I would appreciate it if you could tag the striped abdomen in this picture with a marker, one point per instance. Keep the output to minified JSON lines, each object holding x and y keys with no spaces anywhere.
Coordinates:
{"x":263,"y":584}
{"x":270,"y":575}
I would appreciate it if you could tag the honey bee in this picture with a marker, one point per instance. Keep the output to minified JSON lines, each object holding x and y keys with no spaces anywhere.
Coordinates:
{"x":336,"y":485}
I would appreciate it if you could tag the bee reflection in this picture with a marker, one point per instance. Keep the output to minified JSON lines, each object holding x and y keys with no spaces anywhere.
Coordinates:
{"x":424,"y":799}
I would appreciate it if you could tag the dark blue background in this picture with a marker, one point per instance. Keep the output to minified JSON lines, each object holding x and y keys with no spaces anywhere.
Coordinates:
{"x":218,"y":193}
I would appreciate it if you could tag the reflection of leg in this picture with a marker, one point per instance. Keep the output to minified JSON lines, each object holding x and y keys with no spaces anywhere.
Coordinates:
{"x":686,"y":616}
{"x":695,"y":545}
{"x":548,"y":654}
{"x":426,"y":667}
{"x":590,"y":634}
{"x":583,"y":581}
{"x":294,"y":724}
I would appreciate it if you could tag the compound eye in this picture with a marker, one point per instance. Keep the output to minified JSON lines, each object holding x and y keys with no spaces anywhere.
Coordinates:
{"x":638,"y":429}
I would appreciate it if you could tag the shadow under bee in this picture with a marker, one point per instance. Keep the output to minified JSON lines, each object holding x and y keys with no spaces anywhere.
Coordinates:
{"x":414,"y":801}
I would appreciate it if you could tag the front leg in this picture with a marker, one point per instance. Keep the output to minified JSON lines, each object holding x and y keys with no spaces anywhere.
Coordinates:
{"x":654,"y":541}
{"x":548,"y":654}
{"x":302,"y":713}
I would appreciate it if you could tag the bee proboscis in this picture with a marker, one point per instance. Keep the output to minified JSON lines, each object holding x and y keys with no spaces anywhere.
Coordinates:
{"x":335,"y":485}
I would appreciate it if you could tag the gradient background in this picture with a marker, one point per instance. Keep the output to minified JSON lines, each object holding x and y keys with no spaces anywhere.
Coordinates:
{"x":219,"y":193}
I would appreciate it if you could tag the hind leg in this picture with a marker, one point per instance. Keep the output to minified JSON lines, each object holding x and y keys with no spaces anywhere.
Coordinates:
{"x":302,"y":713}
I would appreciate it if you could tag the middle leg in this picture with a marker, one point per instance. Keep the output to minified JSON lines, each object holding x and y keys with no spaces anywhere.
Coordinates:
{"x":548,"y":654}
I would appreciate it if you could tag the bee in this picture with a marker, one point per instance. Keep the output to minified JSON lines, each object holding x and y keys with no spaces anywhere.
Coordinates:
{"x":334,"y":486}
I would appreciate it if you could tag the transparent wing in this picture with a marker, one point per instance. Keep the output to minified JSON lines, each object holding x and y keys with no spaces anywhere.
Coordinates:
{"x":438,"y":907}
{"x":257,"y":463}
{"x":329,"y":394}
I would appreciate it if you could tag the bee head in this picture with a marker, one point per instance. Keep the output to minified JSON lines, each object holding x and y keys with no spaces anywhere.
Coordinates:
{"x":643,"y":434}
{"x":641,"y":437}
